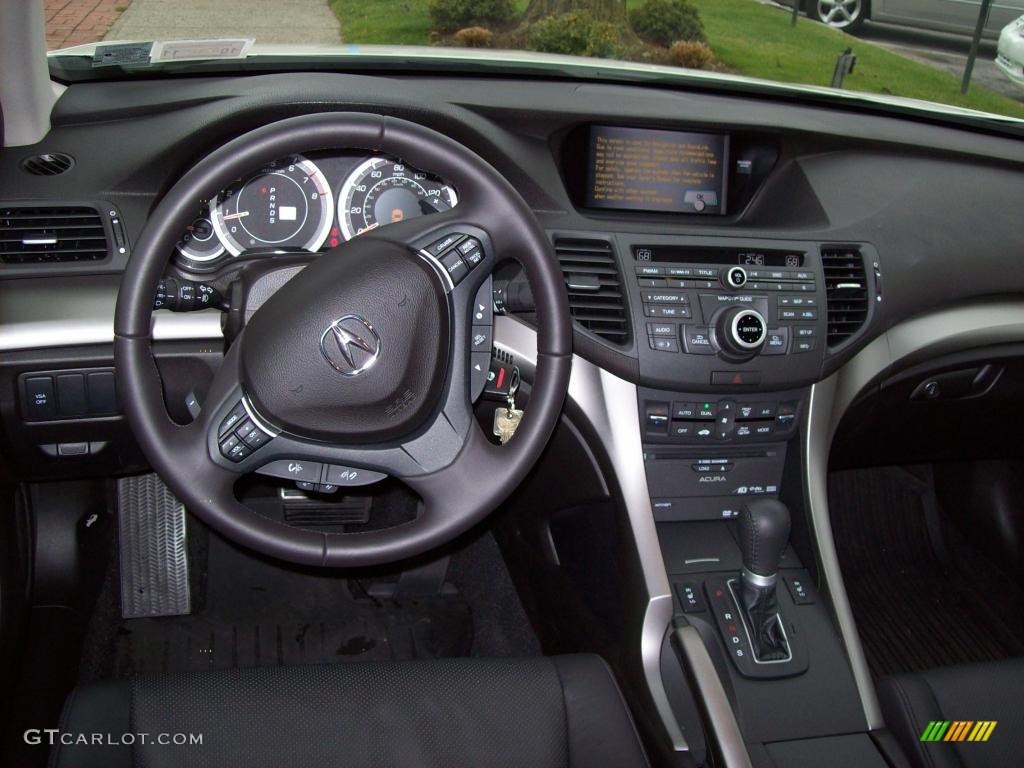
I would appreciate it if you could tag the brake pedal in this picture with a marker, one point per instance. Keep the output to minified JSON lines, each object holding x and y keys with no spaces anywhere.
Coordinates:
{"x":153,"y":551}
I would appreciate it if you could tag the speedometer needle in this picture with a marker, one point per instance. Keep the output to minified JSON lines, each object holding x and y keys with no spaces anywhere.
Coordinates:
{"x":369,"y":228}
{"x":238,"y":215}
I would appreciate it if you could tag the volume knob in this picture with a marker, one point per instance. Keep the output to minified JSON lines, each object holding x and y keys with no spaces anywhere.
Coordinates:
{"x":742,"y":331}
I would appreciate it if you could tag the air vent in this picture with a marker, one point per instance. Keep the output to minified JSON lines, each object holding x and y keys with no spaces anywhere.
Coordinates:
{"x":37,"y":235}
{"x":846,"y":291}
{"x":595,"y":287}
{"x":50,"y":164}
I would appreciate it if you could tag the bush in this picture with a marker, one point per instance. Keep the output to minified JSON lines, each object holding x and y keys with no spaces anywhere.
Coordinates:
{"x":575,"y":34}
{"x":474,"y":37}
{"x":690,"y":54}
{"x":449,"y":15}
{"x":664,"y":21}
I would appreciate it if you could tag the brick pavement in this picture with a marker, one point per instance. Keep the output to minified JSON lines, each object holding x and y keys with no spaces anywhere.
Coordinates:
{"x":74,"y":22}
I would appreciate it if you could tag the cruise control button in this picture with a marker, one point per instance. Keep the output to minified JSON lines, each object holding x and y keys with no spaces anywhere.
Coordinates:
{"x":350,"y":476}
{"x":454,"y":266}
{"x":473,"y":258}
{"x":467,"y":245}
{"x":293,"y":469}
{"x":442,"y":245}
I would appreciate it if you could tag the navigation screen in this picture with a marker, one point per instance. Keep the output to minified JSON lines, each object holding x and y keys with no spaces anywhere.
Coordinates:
{"x":659,"y":171}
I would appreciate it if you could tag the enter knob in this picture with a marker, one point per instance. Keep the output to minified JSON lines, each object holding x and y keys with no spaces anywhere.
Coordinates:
{"x":742,"y":331}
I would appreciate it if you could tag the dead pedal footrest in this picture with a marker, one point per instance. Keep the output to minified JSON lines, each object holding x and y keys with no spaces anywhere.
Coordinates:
{"x":153,"y":552}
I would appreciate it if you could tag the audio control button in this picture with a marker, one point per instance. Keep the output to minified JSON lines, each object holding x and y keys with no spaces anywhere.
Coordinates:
{"x":734,"y":277}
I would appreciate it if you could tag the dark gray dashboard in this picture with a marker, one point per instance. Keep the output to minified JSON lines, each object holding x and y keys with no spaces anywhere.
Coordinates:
{"x":932,"y":203}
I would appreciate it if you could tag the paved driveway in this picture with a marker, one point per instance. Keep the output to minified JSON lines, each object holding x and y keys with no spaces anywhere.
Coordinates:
{"x":945,"y":52}
{"x":307,"y":22}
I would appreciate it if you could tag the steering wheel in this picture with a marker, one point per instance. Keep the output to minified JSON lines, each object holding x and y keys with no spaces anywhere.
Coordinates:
{"x":358,"y":363}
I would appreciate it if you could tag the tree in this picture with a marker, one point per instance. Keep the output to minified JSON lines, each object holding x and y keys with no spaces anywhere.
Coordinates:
{"x":604,"y":10}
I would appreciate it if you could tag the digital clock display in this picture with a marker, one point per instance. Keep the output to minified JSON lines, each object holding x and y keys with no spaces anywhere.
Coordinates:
{"x":726,"y":256}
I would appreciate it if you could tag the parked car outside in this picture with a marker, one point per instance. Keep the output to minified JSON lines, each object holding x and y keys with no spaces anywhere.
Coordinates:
{"x":955,"y":16}
{"x":1010,"y":53}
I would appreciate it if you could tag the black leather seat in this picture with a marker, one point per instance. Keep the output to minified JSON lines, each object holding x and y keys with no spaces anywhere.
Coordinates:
{"x":564,"y":712}
{"x":975,"y":692}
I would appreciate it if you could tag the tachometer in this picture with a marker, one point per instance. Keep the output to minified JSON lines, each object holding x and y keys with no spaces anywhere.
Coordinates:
{"x":286,"y":204}
{"x":384,"y":190}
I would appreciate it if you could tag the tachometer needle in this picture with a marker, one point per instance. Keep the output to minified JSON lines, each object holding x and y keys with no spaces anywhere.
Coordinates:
{"x":238,"y":215}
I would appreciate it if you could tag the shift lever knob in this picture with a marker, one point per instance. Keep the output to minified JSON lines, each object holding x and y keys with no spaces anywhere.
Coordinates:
{"x":764,"y":534}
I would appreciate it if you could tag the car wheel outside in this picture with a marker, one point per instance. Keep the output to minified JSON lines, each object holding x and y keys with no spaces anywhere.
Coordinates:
{"x":847,"y":15}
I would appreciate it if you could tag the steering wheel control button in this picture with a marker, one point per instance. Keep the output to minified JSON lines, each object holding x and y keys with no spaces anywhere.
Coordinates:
{"x":444,"y":244}
{"x":454,"y":266}
{"x":480,"y":338}
{"x":232,"y":419}
{"x":293,"y":469}
{"x":735,"y":277}
{"x":350,"y":476}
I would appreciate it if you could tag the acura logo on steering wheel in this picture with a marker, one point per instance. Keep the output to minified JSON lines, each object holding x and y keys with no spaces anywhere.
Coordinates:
{"x":351,"y":345}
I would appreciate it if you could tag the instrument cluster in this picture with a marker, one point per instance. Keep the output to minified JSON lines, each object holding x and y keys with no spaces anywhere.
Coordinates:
{"x":309,"y":203}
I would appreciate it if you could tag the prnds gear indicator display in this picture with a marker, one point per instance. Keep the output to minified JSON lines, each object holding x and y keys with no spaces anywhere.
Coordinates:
{"x":656,"y":171}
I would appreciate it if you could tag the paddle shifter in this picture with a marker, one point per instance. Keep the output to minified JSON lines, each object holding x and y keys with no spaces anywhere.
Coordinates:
{"x":763,"y":534}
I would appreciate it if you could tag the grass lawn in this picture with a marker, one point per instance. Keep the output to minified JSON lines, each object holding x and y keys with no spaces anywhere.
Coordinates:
{"x":749,"y":38}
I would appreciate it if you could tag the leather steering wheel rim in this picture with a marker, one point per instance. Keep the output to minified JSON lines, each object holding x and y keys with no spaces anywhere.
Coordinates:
{"x":479,"y":475}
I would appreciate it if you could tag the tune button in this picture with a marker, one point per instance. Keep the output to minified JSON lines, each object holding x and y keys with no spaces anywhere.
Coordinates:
{"x":735,"y":277}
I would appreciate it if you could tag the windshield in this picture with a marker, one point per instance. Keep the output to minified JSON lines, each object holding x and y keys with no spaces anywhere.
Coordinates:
{"x":960,"y":54}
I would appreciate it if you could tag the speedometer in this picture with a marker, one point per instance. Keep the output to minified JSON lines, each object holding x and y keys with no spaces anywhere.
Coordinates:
{"x":384,"y":190}
{"x":286,"y":204}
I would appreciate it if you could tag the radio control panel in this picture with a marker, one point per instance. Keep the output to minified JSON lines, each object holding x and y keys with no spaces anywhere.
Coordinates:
{"x":727,"y":316}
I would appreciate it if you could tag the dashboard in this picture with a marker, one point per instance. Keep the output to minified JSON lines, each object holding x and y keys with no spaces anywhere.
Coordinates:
{"x":799,"y":235}
{"x":307,"y":203}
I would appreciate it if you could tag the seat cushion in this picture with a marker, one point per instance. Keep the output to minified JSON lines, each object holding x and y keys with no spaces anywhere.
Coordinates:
{"x":972,"y":693}
{"x":559,"y":712}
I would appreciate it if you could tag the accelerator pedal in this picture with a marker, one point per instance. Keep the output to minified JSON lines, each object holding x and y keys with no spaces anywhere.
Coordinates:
{"x":153,"y":551}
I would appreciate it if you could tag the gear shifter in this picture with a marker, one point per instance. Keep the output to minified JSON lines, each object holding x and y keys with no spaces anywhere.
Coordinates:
{"x":764,"y":534}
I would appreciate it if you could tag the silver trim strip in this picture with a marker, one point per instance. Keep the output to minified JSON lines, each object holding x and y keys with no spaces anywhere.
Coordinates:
{"x":918,"y":339}
{"x":83,"y":331}
{"x":758,"y":580}
{"x":611,"y":405}
{"x":720,"y":717}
